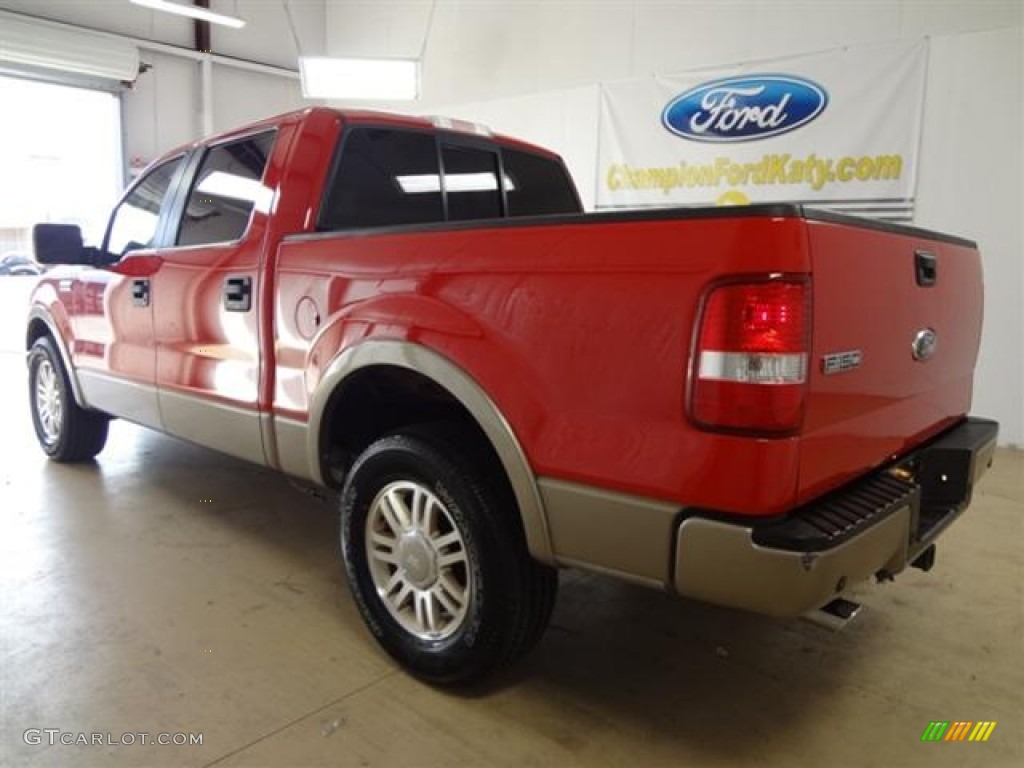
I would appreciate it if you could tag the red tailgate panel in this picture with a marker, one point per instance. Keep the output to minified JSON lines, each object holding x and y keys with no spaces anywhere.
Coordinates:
{"x":867,"y":299}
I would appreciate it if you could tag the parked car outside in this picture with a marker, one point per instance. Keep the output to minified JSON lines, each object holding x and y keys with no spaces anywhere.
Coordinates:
{"x":19,"y":264}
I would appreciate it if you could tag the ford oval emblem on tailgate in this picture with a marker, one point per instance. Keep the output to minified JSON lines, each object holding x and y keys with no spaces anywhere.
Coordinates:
{"x":924,"y":344}
{"x":744,"y":108}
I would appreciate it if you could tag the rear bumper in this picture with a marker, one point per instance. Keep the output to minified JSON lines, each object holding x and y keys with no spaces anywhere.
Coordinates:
{"x":877,"y":525}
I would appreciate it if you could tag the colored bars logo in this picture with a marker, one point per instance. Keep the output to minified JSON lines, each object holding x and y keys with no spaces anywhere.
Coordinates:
{"x":959,"y":730}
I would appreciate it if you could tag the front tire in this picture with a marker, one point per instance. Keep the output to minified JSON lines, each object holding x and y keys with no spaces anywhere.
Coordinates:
{"x":436,"y":557}
{"x":66,"y":432}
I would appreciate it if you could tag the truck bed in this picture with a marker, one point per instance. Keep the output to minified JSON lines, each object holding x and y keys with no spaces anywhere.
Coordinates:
{"x":602,"y":399}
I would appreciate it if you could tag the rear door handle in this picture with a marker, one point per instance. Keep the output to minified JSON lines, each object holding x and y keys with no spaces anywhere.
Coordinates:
{"x":926,"y":267}
{"x":238,"y":294}
{"x":140,"y":293}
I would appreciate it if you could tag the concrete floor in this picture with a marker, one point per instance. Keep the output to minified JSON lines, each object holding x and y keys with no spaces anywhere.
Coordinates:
{"x":169,"y":589}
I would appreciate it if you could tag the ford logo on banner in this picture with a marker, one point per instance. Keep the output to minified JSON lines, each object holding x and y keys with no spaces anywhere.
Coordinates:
{"x":744,"y":108}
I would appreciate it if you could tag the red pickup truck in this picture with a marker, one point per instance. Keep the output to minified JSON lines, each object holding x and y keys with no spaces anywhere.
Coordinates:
{"x":753,"y":406}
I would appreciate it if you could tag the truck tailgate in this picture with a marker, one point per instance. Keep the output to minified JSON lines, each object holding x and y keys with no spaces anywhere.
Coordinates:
{"x":897,"y":322}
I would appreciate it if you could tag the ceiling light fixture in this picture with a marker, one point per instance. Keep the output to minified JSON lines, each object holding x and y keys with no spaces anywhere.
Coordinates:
{"x":192,"y":11}
{"x":362,"y":78}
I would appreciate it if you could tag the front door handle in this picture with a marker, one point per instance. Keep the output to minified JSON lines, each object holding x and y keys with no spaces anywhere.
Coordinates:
{"x":238,"y":294}
{"x":140,"y":293}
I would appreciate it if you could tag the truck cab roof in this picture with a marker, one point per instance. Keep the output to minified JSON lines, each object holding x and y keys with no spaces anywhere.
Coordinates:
{"x":369,"y":117}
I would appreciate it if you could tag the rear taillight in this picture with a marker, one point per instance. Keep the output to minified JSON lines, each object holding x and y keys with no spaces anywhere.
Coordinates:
{"x":750,"y":362}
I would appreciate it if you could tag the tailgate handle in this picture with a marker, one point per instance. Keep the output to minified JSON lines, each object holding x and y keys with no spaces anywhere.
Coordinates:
{"x":926,"y":267}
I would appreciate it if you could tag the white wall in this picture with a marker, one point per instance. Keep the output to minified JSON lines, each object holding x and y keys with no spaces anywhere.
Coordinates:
{"x":486,"y":49}
{"x":164,"y":108}
{"x":531,"y":69}
{"x":971,"y":181}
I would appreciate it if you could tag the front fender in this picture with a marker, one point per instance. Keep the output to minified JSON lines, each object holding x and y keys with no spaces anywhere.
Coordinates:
{"x":58,"y":325}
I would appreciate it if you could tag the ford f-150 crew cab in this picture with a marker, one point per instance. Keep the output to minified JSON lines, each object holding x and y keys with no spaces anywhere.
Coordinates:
{"x":753,"y":406}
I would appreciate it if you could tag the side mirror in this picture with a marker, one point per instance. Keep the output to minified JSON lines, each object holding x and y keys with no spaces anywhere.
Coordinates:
{"x":59,"y":244}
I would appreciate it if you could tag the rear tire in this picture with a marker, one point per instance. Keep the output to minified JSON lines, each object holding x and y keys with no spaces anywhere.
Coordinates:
{"x":437,"y":560}
{"x":66,"y":432}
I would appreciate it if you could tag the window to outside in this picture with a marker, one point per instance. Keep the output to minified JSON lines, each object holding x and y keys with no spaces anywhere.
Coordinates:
{"x":385,"y":177}
{"x":60,"y":155}
{"x":228,"y":187}
{"x":536,"y":185}
{"x":135,"y":221}
{"x":471,"y":183}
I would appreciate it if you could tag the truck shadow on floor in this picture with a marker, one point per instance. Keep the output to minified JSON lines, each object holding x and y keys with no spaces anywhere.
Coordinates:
{"x":687,"y":673}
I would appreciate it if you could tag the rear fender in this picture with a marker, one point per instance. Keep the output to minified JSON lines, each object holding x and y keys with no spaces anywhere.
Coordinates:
{"x":465,"y":390}
{"x":416,"y":312}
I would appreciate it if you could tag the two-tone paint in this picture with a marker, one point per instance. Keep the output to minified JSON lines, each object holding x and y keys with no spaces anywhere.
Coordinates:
{"x":568,"y":339}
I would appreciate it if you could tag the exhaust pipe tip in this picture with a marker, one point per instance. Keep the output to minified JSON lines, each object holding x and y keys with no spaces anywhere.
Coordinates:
{"x":835,"y":615}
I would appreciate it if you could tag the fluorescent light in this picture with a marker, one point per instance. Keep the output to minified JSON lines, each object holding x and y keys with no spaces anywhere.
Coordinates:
{"x":193,"y":12}
{"x":453,"y":182}
{"x":385,"y":79}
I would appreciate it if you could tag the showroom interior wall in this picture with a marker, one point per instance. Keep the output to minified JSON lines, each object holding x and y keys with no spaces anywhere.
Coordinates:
{"x":165,"y":107}
{"x":531,"y":69}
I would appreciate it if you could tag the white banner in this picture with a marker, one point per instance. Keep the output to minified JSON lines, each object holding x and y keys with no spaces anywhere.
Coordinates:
{"x":839,"y":129}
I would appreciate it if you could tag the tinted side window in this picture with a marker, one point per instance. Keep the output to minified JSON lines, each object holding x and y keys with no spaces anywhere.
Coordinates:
{"x":136,"y":218}
{"x":536,"y":185}
{"x":384,"y":177}
{"x":471,"y":183}
{"x":227,"y":188}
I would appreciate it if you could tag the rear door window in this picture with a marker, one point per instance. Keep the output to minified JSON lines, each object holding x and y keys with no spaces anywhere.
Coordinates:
{"x":227,"y":188}
{"x":385,"y":177}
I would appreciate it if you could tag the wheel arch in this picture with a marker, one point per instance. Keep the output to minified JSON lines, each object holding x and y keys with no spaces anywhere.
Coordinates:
{"x":42,"y":323}
{"x":463,"y":390}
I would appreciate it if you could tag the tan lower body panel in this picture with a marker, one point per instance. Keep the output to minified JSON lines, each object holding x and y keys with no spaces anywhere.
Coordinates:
{"x":127,"y":400}
{"x":226,"y":428}
{"x":719,"y":563}
{"x":624,"y":535}
{"x":292,"y":453}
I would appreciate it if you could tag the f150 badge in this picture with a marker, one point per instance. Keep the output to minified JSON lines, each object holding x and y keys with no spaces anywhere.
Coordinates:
{"x":744,"y":108}
{"x":839,"y":362}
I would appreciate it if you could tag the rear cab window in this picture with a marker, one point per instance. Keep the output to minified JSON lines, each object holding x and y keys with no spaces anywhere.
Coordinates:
{"x":386,"y":176}
{"x":471,"y":183}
